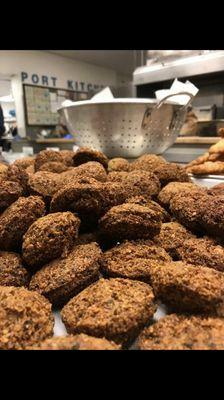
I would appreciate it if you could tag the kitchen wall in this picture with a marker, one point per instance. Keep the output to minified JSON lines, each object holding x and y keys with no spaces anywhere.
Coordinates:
{"x":39,"y":63}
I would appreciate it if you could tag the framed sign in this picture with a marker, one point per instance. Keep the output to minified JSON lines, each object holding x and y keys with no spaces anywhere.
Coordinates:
{"x":41,"y":103}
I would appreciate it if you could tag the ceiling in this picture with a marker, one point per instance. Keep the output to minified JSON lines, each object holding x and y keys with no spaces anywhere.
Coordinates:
{"x":122,"y":61}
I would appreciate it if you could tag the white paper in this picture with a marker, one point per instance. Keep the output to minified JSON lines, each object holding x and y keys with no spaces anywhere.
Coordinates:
{"x":103,"y":95}
{"x":176,"y":88}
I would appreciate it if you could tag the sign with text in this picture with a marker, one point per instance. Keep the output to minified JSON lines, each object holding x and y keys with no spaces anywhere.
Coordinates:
{"x":51,"y":81}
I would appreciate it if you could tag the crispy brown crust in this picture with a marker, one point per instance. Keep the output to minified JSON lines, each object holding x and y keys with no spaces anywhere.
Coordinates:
{"x":17,"y":218}
{"x":212,"y":217}
{"x":189,"y":288}
{"x":118,"y":164}
{"x":85,"y":154}
{"x":183,"y":332}
{"x":44,"y":184}
{"x":48,"y":238}
{"x":202,"y":252}
{"x":25,"y":162}
{"x":62,"y":279}
{"x":91,"y":169}
{"x":188,"y":210}
{"x":207,"y":168}
{"x":53,"y":166}
{"x":12,"y":271}
{"x":217,"y":147}
{"x":171,"y":237}
{"x":143,"y":201}
{"x":46,"y":156}
{"x":67,"y":156}
{"x":130,"y":221}
{"x":17,"y":174}
{"x":133,"y":260}
{"x":116,"y":309}
{"x":171,"y":172}
{"x":147,"y":162}
{"x":9,"y":192}
{"x":217,"y":190}
{"x":173,"y":188}
{"x":75,"y":342}
{"x":25,"y":318}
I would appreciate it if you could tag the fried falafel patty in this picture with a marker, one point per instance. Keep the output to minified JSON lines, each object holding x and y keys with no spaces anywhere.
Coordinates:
{"x":118,"y":164}
{"x":116,"y":309}
{"x":133,"y":260}
{"x":17,"y":218}
{"x":202,"y":252}
{"x":53,"y":166}
{"x":24,"y":162}
{"x":25,"y":318}
{"x":171,"y":172}
{"x":12,"y":271}
{"x":88,"y":198}
{"x":183,"y":332}
{"x":67,"y":156}
{"x":130,"y":221}
{"x":91,"y":169}
{"x":174,"y":188}
{"x":143,"y":201}
{"x":85,"y":154}
{"x":188,"y":209}
{"x":147,"y":162}
{"x":171,"y":237}
{"x":212,"y":216}
{"x":48,"y":238}
{"x":75,"y":342}
{"x":62,"y":279}
{"x":46,"y":156}
{"x":17,"y":174}
{"x":189,"y":288}
{"x":217,"y":190}
{"x":9,"y":193}
{"x":44,"y":184}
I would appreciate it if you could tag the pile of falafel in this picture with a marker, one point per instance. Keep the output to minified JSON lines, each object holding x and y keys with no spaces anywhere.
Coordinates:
{"x":106,"y":242}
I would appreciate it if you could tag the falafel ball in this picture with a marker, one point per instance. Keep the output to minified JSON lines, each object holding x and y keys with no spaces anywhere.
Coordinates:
{"x":16,"y":219}
{"x":217,"y":190}
{"x":171,"y":172}
{"x":75,"y":342}
{"x":12,"y":271}
{"x":143,"y":201}
{"x":118,"y":164}
{"x":212,"y":216}
{"x":183,"y":332}
{"x":91,"y":169}
{"x":48,"y":238}
{"x":130,"y":221}
{"x":85,"y":154}
{"x":137,"y":183}
{"x":3,"y":169}
{"x":173,"y":188}
{"x":44,"y":184}
{"x":17,"y":174}
{"x":133,"y":260}
{"x":171,"y":237}
{"x":46,"y":156}
{"x":147,"y":162}
{"x":202,"y":252}
{"x":53,"y":166}
{"x":188,"y":209}
{"x":9,"y":193}
{"x":25,"y":162}
{"x":189,"y":288}
{"x":62,"y":279}
{"x":25,"y":318}
{"x":88,"y":198}
{"x":116,"y":309}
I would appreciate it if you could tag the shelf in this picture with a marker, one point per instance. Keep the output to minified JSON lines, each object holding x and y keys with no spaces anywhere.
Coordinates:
{"x":55,"y":140}
{"x":197,"y":140}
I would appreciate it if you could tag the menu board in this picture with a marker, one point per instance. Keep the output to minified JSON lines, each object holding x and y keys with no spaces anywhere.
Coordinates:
{"x":41,"y":106}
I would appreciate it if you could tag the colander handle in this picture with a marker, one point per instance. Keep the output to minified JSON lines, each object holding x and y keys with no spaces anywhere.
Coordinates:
{"x":175,"y":94}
